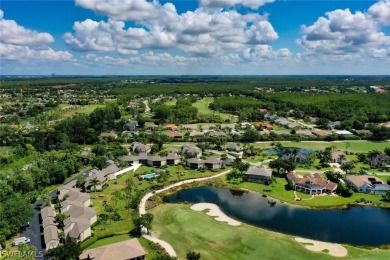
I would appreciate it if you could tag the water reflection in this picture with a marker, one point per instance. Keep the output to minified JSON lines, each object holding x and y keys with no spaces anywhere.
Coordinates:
{"x":357,"y":225}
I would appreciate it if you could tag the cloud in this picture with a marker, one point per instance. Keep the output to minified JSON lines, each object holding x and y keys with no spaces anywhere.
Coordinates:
{"x":381,"y":12}
{"x":253,"y":4}
{"x":20,"y":44}
{"x":348,"y":35}
{"x":12,"y":33}
{"x":134,"y":10}
{"x":202,"y":32}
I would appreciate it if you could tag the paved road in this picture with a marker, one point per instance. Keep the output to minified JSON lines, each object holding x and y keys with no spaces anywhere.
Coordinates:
{"x":142,"y":209}
{"x":33,"y":231}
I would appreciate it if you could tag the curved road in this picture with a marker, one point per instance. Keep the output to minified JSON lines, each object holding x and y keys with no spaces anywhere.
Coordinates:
{"x":142,"y":209}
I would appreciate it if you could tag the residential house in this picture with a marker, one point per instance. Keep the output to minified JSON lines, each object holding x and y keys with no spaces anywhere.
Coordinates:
{"x":48,"y":221}
{"x":379,"y":161}
{"x":305,"y":133}
{"x":333,"y":125}
{"x":213,"y":162}
{"x":311,"y":183}
{"x":77,"y":212}
{"x":294,"y":125}
{"x":109,"y":135}
{"x":363,"y":132}
{"x":190,"y":127}
{"x":150,"y":126}
{"x":77,"y":229}
{"x":367,"y":184}
{"x":196,"y":134}
{"x":173,"y":158}
{"x":99,"y":175}
{"x":156,"y":161}
{"x":126,"y":250}
{"x":175,"y":135}
{"x":208,"y":127}
{"x":143,"y":158}
{"x":130,"y":126}
{"x":267,"y":126}
{"x":171,"y":127}
{"x":140,"y":148}
{"x":228,"y":126}
{"x":281,"y":132}
{"x":130,"y":159}
{"x":72,"y":194}
{"x":322,"y":132}
{"x":195,"y":163}
{"x":190,"y":151}
{"x":338,"y":157}
{"x":217,"y":134}
{"x":234,"y":148}
{"x":342,"y":132}
{"x":282,"y":121}
{"x":298,"y":157}
{"x":50,"y":237}
{"x":258,"y":174}
{"x":47,"y":212}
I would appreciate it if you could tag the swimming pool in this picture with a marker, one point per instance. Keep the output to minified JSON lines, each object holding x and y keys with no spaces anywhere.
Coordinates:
{"x":148,"y":176}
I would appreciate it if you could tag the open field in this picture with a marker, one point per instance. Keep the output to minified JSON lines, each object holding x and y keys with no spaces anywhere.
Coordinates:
{"x":359,"y":146}
{"x":187,"y":230}
{"x":82,"y":109}
{"x":203,"y":107}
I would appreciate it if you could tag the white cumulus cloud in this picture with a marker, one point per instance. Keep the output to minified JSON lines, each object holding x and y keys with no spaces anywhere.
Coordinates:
{"x":253,"y":4}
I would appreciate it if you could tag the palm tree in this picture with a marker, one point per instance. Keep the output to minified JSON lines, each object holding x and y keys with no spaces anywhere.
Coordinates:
{"x":95,"y":182}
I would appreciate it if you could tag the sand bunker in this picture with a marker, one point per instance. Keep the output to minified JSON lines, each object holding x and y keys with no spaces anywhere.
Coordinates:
{"x":214,"y":211}
{"x":336,"y":250}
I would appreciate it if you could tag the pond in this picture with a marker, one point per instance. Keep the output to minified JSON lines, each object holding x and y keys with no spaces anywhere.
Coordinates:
{"x":356,"y":225}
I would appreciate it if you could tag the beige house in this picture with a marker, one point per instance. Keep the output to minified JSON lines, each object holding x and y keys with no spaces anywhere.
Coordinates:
{"x":129,"y":249}
{"x":73,"y":194}
{"x":85,"y":213}
{"x":77,"y":229}
{"x":50,"y":235}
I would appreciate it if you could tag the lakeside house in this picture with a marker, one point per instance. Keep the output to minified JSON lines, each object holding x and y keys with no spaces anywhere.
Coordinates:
{"x":367,"y":184}
{"x":298,"y":157}
{"x":195,"y":163}
{"x":256,"y":174}
{"x":311,"y":183}
{"x":191,"y":151}
{"x":126,"y":250}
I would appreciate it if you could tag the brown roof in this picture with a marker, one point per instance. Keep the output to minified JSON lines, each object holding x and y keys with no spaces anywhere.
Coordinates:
{"x":113,"y":135}
{"x":48,"y":212}
{"x":174,"y":134}
{"x":170,"y":126}
{"x":50,"y":233}
{"x":49,"y":221}
{"x":322,"y":132}
{"x":129,"y":249}
{"x":80,"y":212}
{"x":360,"y":180}
{"x":74,"y":195}
{"x":77,"y":225}
{"x":337,"y":154}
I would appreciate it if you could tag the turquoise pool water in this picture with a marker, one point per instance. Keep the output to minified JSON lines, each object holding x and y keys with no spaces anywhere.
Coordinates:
{"x":149,"y":176}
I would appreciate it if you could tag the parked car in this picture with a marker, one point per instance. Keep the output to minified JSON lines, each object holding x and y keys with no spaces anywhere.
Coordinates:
{"x":21,"y":240}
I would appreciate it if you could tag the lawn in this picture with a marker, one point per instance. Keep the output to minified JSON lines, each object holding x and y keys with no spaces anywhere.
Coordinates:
{"x":126,"y":224}
{"x":278,"y":191}
{"x":82,"y":109}
{"x":187,"y":230}
{"x":350,"y":146}
{"x":171,"y":102}
{"x":203,"y":108}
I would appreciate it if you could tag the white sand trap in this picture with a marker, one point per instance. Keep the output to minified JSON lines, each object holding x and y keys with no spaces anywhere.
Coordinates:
{"x":214,"y":211}
{"x":336,"y":250}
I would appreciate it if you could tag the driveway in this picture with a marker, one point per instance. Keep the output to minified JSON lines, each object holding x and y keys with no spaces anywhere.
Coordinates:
{"x":33,"y":231}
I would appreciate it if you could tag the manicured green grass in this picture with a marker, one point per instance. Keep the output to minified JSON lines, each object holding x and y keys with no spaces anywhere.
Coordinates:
{"x":187,"y":230}
{"x":359,"y":146}
{"x":126,"y":224}
{"x":171,"y":102}
{"x":278,"y":191}
{"x":203,"y":108}
{"x":18,"y":164}
{"x":83,"y":109}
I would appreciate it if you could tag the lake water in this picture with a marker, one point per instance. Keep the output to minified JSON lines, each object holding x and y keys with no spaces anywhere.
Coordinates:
{"x":356,"y":225}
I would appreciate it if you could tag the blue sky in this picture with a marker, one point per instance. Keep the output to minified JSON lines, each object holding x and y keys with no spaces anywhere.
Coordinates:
{"x":133,"y":37}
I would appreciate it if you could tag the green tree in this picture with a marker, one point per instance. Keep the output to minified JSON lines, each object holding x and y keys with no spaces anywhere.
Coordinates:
{"x":68,"y":251}
{"x":95,"y":182}
{"x":192,"y":255}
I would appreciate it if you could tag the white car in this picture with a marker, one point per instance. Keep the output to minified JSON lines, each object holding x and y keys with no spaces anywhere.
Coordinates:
{"x":21,"y":240}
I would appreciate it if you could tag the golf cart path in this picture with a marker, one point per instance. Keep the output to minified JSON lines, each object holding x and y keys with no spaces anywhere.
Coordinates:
{"x":142,"y":208}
